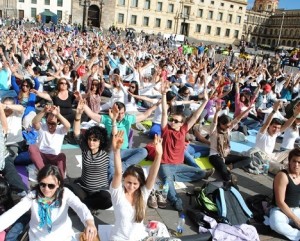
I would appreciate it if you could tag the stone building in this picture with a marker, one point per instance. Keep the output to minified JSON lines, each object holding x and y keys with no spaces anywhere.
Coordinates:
{"x":269,"y":26}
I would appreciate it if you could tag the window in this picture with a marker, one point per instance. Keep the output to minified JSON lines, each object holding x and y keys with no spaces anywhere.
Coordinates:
{"x":238,"y":19}
{"x":146,"y":21}
{"x":220,"y":16}
{"x":33,"y":12}
{"x":236,"y":33}
{"x":269,"y":7}
{"x":120,"y":18}
{"x":59,"y":14}
{"x":227,"y":32}
{"x":212,"y":2}
{"x":222,"y":4}
{"x":147,"y":4}
{"x":134,"y":3}
{"x":47,"y":10}
{"x":33,"y":1}
{"x":200,"y":13}
{"x":47,"y":2}
{"x":169,"y":24}
{"x":59,"y":3}
{"x":157,"y":22}
{"x":240,"y":8}
{"x":208,"y":29}
{"x":210,"y":15}
{"x":198,"y":28}
{"x":231,"y":6}
{"x":21,"y":1}
{"x":229,"y":18}
{"x":186,"y":10}
{"x":133,"y":19}
{"x":121,"y":3}
{"x":201,"y":1}
{"x":218,"y":31}
{"x":159,"y":6}
{"x":171,"y":8}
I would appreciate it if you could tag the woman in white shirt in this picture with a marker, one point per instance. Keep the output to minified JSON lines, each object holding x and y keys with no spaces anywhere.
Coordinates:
{"x":49,"y":202}
{"x":290,"y":135}
{"x":130,"y":197}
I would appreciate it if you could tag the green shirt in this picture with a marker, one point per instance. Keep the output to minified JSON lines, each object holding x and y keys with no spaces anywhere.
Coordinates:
{"x":123,"y":125}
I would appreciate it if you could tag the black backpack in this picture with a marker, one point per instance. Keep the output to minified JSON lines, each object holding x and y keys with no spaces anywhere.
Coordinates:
{"x":256,"y":204}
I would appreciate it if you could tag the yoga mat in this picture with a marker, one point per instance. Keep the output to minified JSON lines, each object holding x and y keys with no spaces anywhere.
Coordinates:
{"x":22,"y":171}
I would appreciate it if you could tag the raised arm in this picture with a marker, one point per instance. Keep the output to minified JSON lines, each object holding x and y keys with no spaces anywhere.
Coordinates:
{"x":79,"y":111}
{"x":147,"y":113}
{"x":116,"y":146}
{"x":56,"y":112}
{"x":156,"y":163}
{"x":290,"y":121}
{"x":270,"y":117}
{"x":164,"y":116}
{"x":94,"y":116}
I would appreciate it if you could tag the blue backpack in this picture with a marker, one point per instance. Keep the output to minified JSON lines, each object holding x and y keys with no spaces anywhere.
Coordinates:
{"x":232,"y":208}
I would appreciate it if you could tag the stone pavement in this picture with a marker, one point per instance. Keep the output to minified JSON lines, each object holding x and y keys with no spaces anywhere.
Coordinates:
{"x":248,"y":184}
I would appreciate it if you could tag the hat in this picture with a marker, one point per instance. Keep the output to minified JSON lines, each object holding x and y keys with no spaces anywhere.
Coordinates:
{"x":267,"y":88}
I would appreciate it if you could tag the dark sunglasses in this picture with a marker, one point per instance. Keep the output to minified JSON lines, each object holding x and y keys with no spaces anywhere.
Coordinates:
{"x":44,"y":185}
{"x":93,"y":139}
{"x":25,"y":86}
{"x":185,"y":94}
{"x":62,"y":83}
{"x":171,"y":119}
{"x":51,"y":123}
{"x":132,"y":86}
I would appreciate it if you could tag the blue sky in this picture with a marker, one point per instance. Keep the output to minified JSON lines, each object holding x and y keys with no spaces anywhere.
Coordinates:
{"x":287,"y":4}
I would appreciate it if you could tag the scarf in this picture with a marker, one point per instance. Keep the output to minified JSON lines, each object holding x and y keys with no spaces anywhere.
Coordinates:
{"x":223,"y":144}
{"x":45,"y":205}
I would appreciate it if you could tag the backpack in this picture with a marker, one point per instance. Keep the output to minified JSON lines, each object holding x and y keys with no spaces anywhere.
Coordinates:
{"x":232,"y":208}
{"x":205,"y":199}
{"x":259,"y":205}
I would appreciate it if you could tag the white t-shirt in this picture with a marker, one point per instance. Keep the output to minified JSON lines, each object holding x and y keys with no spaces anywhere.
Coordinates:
{"x":125,"y":228}
{"x":42,"y":80}
{"x":14,"y":122}
{"x":265,"y":142}
{"x":289,"y":137}
{"x":51,"y":143}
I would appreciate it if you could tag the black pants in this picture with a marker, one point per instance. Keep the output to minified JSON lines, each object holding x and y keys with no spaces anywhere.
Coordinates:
{"x":237,"y":162}
{"x":94,"y":200}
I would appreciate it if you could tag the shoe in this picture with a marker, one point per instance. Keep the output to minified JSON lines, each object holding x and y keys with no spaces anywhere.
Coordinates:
{"x":152,"y":200}
{"x":209,"y":173}
{"x":178,"y":205}
{"x":161,"y":201}
{"x":234,"y":180}
{"x":229,"y":166}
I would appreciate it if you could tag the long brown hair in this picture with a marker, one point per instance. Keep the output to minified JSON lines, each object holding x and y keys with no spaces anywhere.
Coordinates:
{"x":137,"y":171}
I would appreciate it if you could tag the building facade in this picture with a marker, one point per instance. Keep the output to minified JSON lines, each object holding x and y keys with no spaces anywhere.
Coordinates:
{"x":8,"y":8}
{"x":267,"y":25}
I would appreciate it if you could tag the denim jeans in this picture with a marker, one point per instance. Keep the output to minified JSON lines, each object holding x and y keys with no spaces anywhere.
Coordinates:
{"x":195,"y":151}
{"x":280,"y":223}
{"x":18,"y":227}
{"x":129,"y":157}
{"x":180,"y":173}
{"x":250,"y":123}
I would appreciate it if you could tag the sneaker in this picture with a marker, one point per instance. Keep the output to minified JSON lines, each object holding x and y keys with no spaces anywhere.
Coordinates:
{"x":209,"y":173}
{"x":178,"y":205}
{"x":161,"y":201}
{"x":152,"y":200}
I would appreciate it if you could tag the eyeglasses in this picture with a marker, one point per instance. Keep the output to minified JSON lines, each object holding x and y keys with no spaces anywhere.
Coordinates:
{"x":51,"y":123}
{"x":63,"y":83}
{"x":171,"y":119}
{"x":49,"y":185}
{"x":25,"y":86}
{"x":93,"y":139}
{"x":132,"y":86}
{"x":186,"y":93}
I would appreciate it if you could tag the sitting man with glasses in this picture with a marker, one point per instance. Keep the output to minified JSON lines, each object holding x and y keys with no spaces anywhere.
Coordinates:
{"x":47,"y":150}
{"x":172,"y":168}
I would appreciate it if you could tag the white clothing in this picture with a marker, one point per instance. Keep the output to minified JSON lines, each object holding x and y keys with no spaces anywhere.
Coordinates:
{"x":51,"y":143}
{"x":61,"y":223}
{"x":265,"y":142}
{"x":125,"y":228}
{"x":122,"y":68}
{"x":42,"y":80}
{"x":14,"y":123}
{"x":117,"y":95}
{"x":289,"y":137}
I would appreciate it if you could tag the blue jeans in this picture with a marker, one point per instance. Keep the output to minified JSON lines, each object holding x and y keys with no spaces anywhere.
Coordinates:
{"x":129,"y":157}
{"x":280,"y":223}
{"x":17,"y":228}
{"x":195,"y":151}
{"x":180,"y":173}
{"x":251,"y":124}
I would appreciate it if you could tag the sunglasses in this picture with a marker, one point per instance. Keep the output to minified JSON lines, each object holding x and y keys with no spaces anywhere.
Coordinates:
{"x":62,"y":83}
{"x":44,"y":185}
{"x":93,"y":139}
{"x":171,"y":119}
{"x":186,"y":93}
{"x":133,"y":87}
{"x":51,"y":123}
{"x":25,"y":86}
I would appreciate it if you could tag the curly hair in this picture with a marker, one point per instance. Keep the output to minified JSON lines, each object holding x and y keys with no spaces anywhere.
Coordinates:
{"x":137,"y":171}
{"x":101,"y":134}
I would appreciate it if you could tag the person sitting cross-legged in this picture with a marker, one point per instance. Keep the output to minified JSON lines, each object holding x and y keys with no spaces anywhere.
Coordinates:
{"x":172,"y":168}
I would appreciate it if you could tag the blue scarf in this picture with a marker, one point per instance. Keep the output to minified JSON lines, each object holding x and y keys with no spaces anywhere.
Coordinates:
{"x":45,"y":206}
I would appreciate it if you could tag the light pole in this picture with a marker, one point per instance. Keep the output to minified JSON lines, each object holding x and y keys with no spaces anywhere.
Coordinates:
{"x":101,"y":3}
{"x":283,"y":13}
{"x":85,"y":4}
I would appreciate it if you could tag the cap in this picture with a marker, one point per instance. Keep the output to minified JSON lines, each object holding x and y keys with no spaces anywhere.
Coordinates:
{"x":267,"y":88}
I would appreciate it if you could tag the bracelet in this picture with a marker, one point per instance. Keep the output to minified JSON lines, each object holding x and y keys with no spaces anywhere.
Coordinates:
{"x":77,"y":119}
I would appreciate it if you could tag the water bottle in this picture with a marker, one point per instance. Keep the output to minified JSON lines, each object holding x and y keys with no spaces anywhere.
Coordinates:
{"x":165,"y":190}
{"x":180,"y":225}
{"x":266,"y":167}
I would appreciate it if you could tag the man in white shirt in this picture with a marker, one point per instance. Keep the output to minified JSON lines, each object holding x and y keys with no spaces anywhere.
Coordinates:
{"x":266,"y":138}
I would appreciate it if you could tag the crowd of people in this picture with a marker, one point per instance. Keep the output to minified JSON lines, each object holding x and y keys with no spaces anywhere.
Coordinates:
{"x":52,"y":82}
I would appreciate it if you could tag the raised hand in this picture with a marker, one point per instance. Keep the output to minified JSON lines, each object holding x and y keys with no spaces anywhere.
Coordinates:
{"x":277,"y":105}
{"x":114,"y":112}
{"x":117,"y":141}
{"x":158,"y":145}
{"x":80,"y":106}
{"x":164,"y":87}
{"x":55,"y":110}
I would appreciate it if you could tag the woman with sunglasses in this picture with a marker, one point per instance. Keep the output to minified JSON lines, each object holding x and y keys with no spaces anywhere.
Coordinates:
{"x":48,"y":203}
{"x":26,"y":97}
{"x":92,"y":186}
{"x":129,"y":197}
